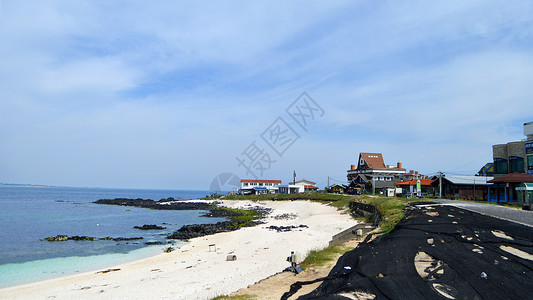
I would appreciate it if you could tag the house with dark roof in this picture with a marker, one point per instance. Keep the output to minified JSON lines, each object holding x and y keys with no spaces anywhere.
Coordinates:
{"x":504,"y":189}
{"x":371,"y":172}
{"x":462,"y":186}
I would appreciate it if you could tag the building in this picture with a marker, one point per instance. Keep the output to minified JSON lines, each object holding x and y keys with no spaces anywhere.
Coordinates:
{"x":259,"y":186}
{"x":463,"y":186}
{"x":515,"y":157}
{"x":336,"y":188}
{"x":372,"y":173}
{"x":299,"y":186}
{"x":505,"y":187}
{"x":487,"y":170}
{"x":408,"y":187}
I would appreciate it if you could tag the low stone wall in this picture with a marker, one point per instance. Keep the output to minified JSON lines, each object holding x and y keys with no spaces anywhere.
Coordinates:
{"x":352,"y":233}
{"x":364,"y":210}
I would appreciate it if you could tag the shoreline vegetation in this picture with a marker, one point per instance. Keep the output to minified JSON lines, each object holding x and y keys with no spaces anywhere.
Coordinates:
{"x":236,"y":217}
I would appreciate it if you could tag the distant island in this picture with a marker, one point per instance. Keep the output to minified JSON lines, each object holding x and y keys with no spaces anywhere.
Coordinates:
{"x":23,"y":185}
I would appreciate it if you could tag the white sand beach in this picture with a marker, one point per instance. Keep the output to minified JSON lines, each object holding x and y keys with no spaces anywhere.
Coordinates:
{"x":195,"y":272}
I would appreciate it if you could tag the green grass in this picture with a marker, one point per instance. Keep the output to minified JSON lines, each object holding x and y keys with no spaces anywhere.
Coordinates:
{"x":391,"y":209}
{"x":318,"y":258}
{"x":241,"y":217}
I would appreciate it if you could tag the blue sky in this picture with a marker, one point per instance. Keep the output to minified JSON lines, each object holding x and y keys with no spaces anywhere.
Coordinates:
{"x":167,"y":95}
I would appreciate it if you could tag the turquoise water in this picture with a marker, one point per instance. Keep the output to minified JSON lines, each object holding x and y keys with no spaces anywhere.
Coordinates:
{"x":29,"y":214}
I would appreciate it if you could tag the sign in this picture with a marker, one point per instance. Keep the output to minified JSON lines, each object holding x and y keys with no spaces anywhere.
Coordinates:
{"x":529,"y":148}
{"x":418,"y":188}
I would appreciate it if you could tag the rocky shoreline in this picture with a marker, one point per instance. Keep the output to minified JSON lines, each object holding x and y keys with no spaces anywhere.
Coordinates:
{"x":237,"y":218}
{"x":163,"y":204}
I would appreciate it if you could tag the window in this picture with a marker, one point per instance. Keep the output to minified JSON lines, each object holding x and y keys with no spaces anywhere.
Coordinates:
{"x":261,"y":184}
{"x":500,"y":166}
{"x":516,"y":164}
{"x":530,"y":162}
{"x":246,"y":184}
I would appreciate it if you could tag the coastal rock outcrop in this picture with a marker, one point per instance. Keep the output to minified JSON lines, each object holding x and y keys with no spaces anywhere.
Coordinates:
{"x":149,"y":227}
{"x":197,"y":230}
{"x":62,"y":238}
{"x":163,"y":204}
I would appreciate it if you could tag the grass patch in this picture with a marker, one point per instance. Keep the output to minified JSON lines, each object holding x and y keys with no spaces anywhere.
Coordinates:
{"x":339,"y":201}
{"x":238,"y":217}
{"x":391,"y":209}
{"x":318,"y":258}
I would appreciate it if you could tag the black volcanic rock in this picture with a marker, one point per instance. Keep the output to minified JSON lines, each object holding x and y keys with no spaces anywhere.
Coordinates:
{"x":163,"y":204}
{"x":196,"y":230}
{"x":149,"y":227}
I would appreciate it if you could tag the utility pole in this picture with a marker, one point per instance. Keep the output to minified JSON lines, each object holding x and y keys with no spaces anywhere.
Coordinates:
{"x":373,"y":186}
{"x":328,"y":181}
{"x":294,"y":177}
{"x":474,"y":197}
{"x":440,"y":184}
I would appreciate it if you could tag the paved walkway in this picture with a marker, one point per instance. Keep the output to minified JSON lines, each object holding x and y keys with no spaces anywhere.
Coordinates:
{"x":511,"y":214}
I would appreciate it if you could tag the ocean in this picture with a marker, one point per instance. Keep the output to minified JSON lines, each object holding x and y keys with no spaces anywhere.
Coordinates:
{"x":30,"y":214}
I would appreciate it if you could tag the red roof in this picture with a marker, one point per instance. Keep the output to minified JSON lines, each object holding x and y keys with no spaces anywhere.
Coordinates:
{"x":310,"y":187}
{"x":426,"y":182}
{"x":374,"y":160}
{"x":261,"y":180}
{"x":513,"y":177}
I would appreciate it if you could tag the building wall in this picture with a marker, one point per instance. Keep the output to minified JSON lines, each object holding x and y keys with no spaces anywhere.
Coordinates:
{"x":505,"y":151}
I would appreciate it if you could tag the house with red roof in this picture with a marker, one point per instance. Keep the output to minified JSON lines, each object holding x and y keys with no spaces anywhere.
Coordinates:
{"x":371,"y":168}
{"x":408,"y":187}
{"x":259,"y":186}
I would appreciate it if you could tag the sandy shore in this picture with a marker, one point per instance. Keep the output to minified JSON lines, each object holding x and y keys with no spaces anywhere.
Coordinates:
{"x":195,"y":272}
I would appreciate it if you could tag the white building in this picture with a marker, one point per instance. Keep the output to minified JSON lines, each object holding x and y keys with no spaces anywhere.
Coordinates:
{"x":299,"y":186}
{"x":259,"y":186}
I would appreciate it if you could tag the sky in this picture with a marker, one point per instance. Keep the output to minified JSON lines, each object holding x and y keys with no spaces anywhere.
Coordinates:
{"x":169,"y":95}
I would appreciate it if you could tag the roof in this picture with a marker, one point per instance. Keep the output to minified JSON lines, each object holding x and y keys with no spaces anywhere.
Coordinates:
{"x":305,"y":180}
{"x":310,"y":187}
{"x":513,"y":177}
{"x":466,"y":179}
{"x":261,"y":180}
{"x":426,"y":182}
{"x":374,"y":160}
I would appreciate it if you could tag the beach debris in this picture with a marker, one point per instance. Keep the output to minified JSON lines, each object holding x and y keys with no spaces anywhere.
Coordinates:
{"x":231,"y":257}
{"x":285,"y":216}
{"x":107,"y":271}
{"x":169,"y":249}
{"x":149,"y":227}
{"x":212,"y":248}
{"x":484,"y":275}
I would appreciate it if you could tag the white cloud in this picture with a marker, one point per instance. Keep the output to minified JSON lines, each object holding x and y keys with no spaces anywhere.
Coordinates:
{"x":155,"y":93}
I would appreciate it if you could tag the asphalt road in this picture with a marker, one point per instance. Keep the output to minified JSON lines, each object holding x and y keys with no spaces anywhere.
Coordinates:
{"x":520,"y":216}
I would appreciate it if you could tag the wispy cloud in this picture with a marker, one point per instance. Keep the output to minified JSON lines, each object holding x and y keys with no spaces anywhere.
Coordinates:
{"x":167,"y":95}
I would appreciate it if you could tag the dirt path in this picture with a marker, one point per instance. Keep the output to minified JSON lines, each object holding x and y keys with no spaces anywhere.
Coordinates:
{"x":275,"y":286}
